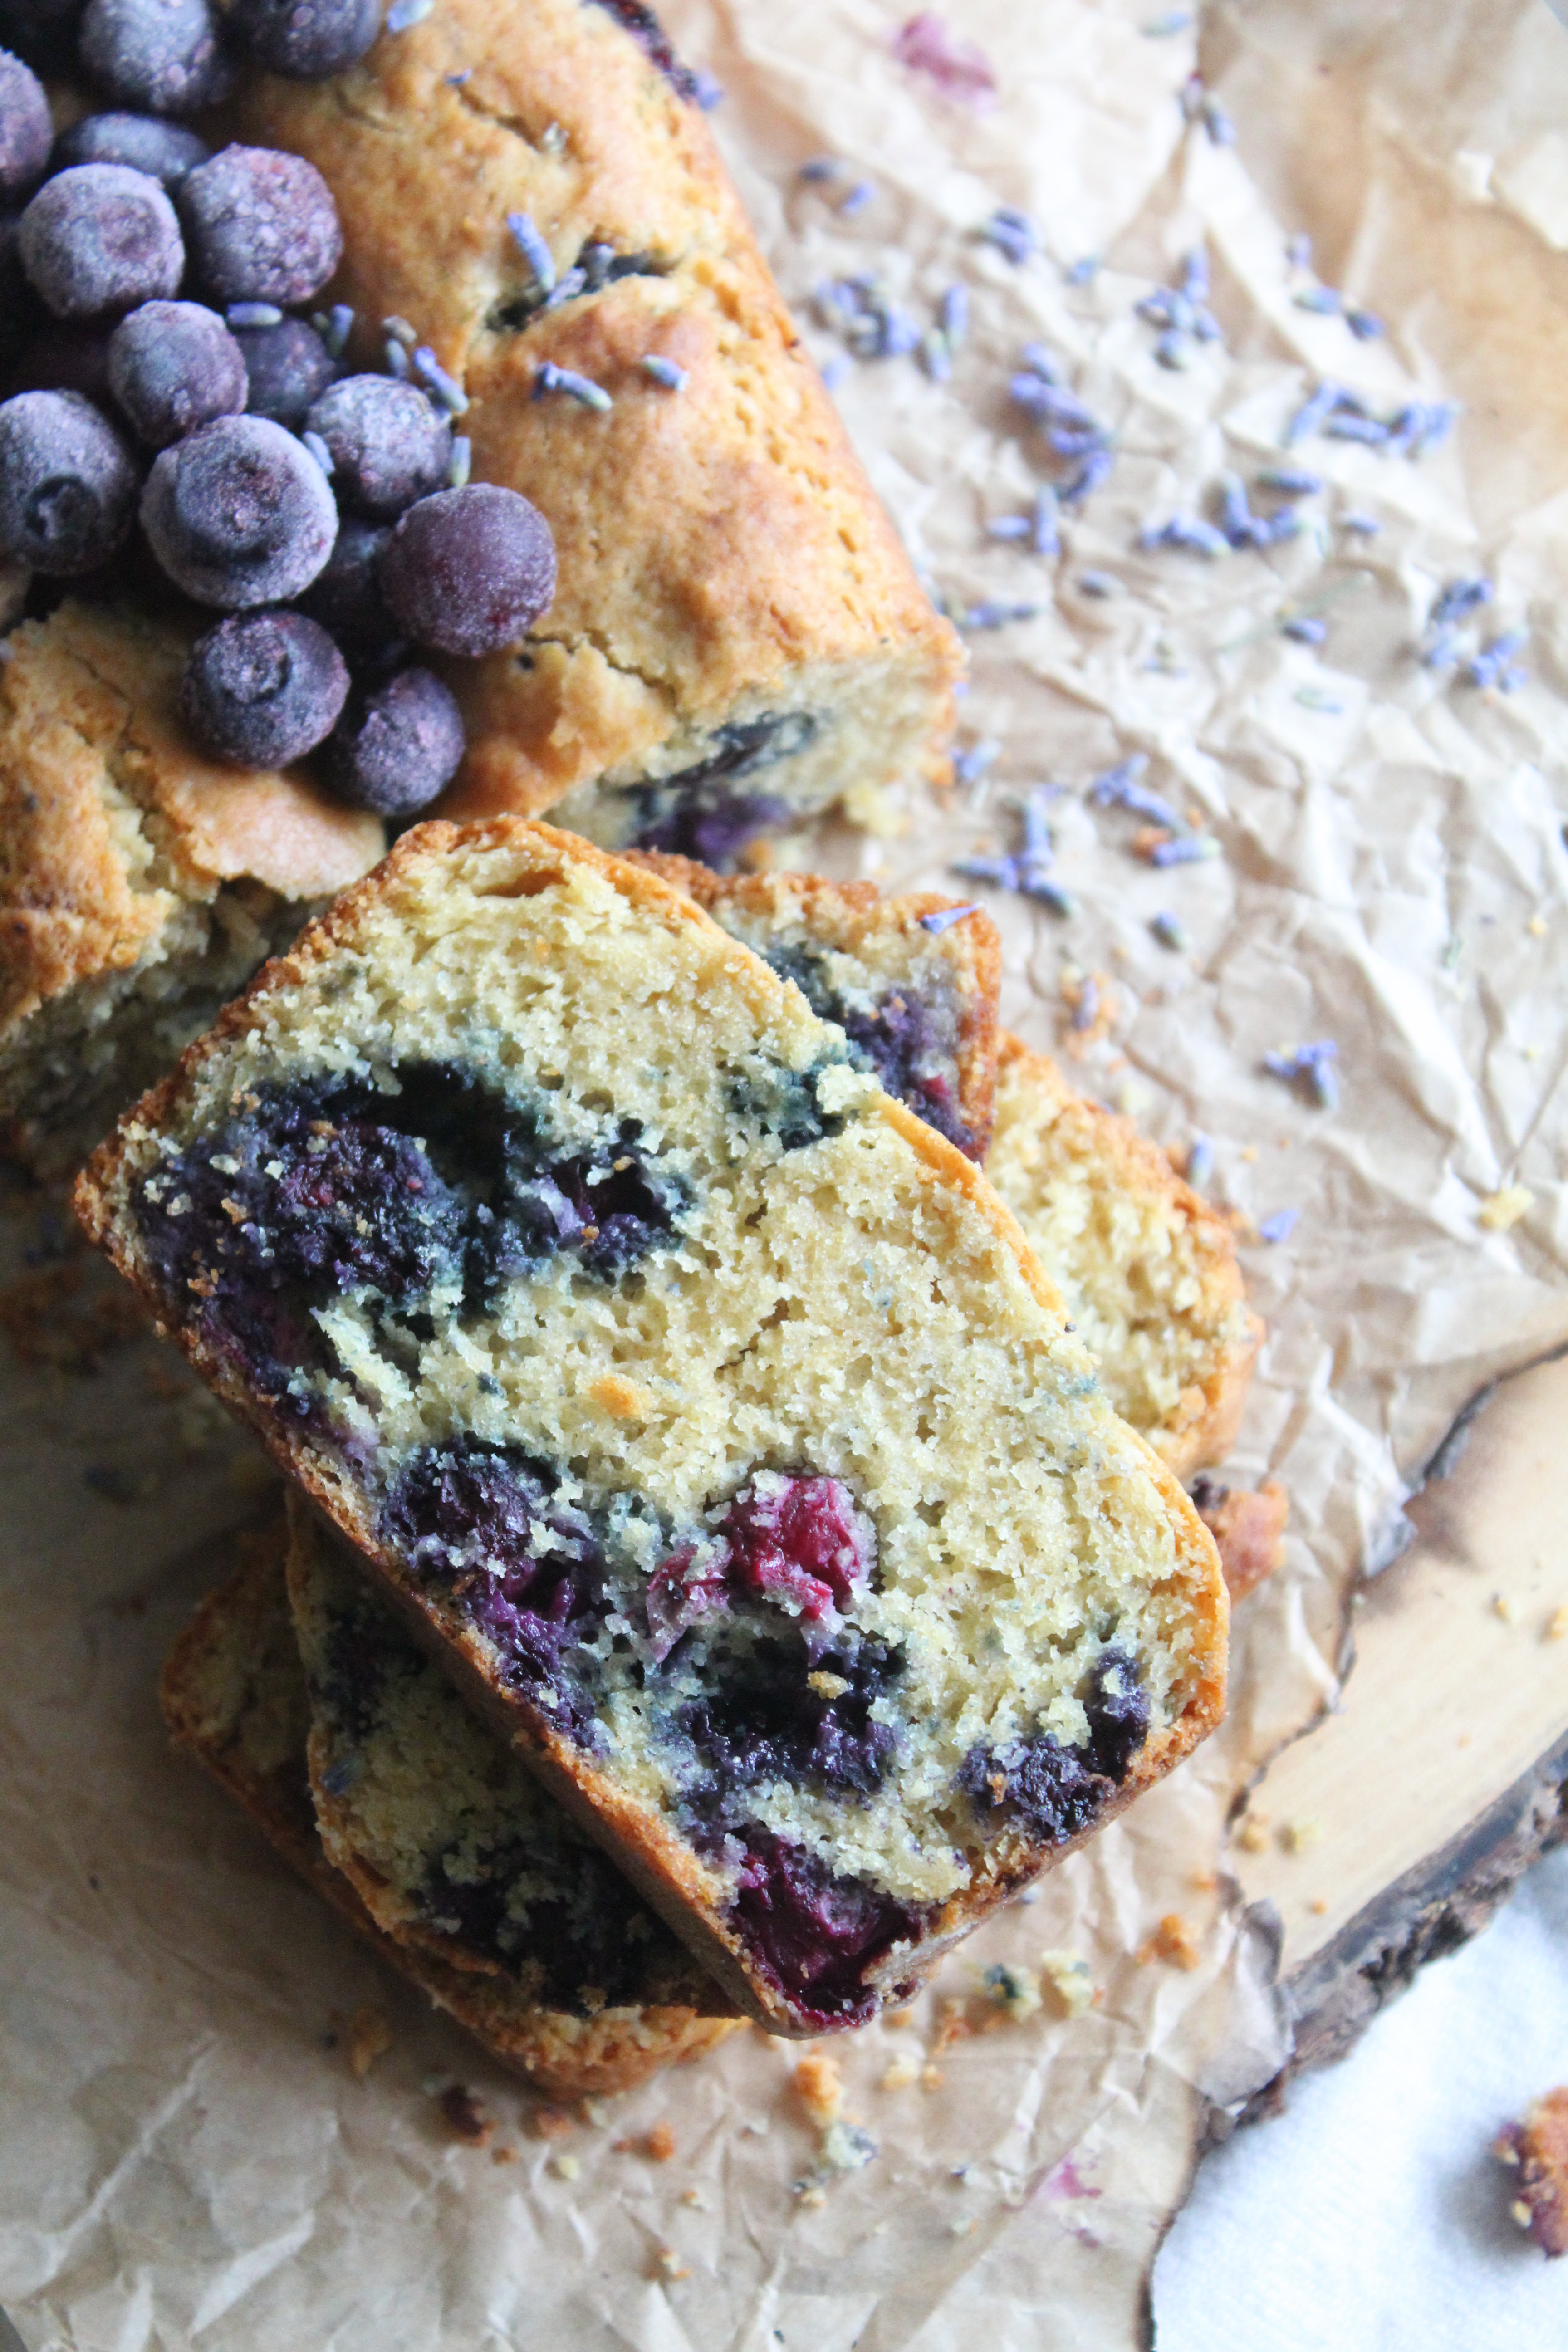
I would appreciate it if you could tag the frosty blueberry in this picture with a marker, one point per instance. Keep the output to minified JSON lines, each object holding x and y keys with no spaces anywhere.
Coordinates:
{"x":99,"y":239}
{"x":26,"y":133}
{"x":345,"y":595}
{"x":288,"y":367}
{"x":164,"y":151}
{"x":471,"y":571}
{"x":164,"y":55}
{"x":172,"y":366}
{"x":68,"y":483}
{"x":262,"y":226}
{"x":263,"y":689}
{"x":306,"y":40}
{"x":399,"y":748}
{"x":389,"y":444}
{"x":239,"y":514}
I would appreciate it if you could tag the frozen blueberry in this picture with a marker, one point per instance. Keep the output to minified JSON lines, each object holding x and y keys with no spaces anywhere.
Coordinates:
{"x":346,"y":597}
{"x":239,"y":514}
{"x":165,"y":56}
{"x":390,"y":445}
{"x":164,"y":151}
{"x":172,"y":366}
{"x":26,"y":134}
{"x":68,"y":483}
{"x":288,"y":366}
{"x":306,"y":40}
{"x":399,"y":747}
{"x":262,"y":225}
{"x":100,"y":238}
{"x":21,"y":312}
{"x":469,"y":570}
{"x":264,"y":689}
{"x":43,"y":32}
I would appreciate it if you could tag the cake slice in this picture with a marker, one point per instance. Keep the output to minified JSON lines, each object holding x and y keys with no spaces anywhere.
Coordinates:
{"x":446,"y":1839}
{"x":912,"y":982}
{"x":234,"y":1692}
{"x":702,"y":1405}
{"x":1147,"y":1269}
{"x":737,"y":637}
{"x":140,"y":885}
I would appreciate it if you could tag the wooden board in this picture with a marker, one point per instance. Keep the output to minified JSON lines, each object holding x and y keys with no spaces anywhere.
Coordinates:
{"x":1397,"y":1826}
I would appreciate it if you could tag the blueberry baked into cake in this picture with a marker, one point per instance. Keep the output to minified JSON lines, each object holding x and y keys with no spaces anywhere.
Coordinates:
{"x":911,"y":981}
{"x":701,"y":1404}
{"x":1147,"y":1269}
{"x":446,"y":1839}
{"x":234,"y":1692}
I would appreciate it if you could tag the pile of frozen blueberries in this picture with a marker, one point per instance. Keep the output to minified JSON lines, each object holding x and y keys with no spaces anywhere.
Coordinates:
{"x":160,"y":382}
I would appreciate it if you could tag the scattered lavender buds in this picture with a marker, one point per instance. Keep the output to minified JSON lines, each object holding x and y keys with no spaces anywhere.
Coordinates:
{"x":1086,"y":1005}
{"x":944,"y":917}
{"x":1321,"y":299}
{"x":550,"y":378}
{"x":952,"y":316}
{"x":1362,"y":526}
{"x":1494,"y":666}
{"x":935,"y":357}
{"x":1170,"y":931}
{"x":1120,"y":788}
{"x":531,"y":244}
{"x":1304,"y":629}
{"x":240,"y":315}
{"x":1200,"y":105}
{"x":1093,"y":471}
{"x":1199,"y":1169}
{"x":1290,"y":481}
{"x":968,"y":767}
{"x":991,"y":613}
{"x":1083,"y":272}
{"x":663,"y":372}
{"x":1364,"y":325}
{"x":1099,"y":583}
{"x":820,"y":168}
{"x":1411,"y":431}
{"x":1188,"y":533}
{"x":1459,"y":597}
{"x":1161,"y":29}
{"x":443,"y":389}
{"x":404,"y":15}
{"x":1013,"y":234}
{"x":1029,"y":873}
{"x":855,"y":201}
{"x":1310,"y":1066}
{"x":1188,"y":849}
{"x":1279,"y":1226}
{"x":1299,"y":250}
{"x":462,"y":464}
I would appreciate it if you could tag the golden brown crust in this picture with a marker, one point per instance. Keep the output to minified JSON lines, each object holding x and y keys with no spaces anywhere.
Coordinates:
{"x":110,"y":820}
{"x":564,"y":2056}
{"x":712,"y":543}
{"x":665,"y":1870}
{"x":848,"y":916}
{"x":1204,"y":1426}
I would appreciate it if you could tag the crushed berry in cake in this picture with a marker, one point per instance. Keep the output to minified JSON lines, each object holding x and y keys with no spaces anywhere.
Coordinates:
{"x":697,"y":813}
{"x":526,"y":1569}
{"x":1055,"y":1791}
{"x":816,"y":1933}
{"x":908,"y":1044}
{"x":783,"y":1103}
{"x":655,"y":45}
{"x":776,"y":1716}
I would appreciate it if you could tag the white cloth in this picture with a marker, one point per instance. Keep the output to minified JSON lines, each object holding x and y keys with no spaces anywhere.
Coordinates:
{"x":1372,"y":2216}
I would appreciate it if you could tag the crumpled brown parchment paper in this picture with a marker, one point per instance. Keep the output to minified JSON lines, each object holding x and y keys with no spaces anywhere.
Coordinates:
{"x":186,"y":2159}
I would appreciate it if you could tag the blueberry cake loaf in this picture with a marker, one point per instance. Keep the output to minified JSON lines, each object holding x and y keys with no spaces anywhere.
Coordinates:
{"x":912,"y":982}
{"x":234,"y":1692}
{"x":737,"y":636}
{"x":141,"y":885}
{"x":703,"y":1404}
{"x":1147,"y":1269}
{"x":447,"y":1841}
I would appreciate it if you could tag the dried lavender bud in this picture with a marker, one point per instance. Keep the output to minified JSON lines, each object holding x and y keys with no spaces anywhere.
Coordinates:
{"x":345,"y":595}
{"x":263,"y":690}
{"x":288,"y":366}
{"x":67,"y":483}
{"x":26,"y":134}
{"x":306,"y":40}
{"x":100,"y":238}
{"x":262,"y":225}
{"x":42,"y":33}
{"x":172,"y":366}
{"x":161,"y":56}
{"x":164,"y":151}
{"x":471,"y":571}
{"x":389,"y":444}
{"x":398,"y":747}
{"x":239,"y":514}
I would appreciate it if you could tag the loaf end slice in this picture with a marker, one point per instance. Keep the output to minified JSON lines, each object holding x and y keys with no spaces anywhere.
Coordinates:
{"x":234,"y":1692}
{"x":701,"y":1404}
{"x":1147,"y":1270}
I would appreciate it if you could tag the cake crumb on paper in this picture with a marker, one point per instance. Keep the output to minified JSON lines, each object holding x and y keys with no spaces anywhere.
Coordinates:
{"x":820,"y":2087}
{"x":1301,"y":1836}
{"x":465,"y":2116}
{"x":368,"y":2038}
{"x":1252,"y":1837}
{"x":1499,"y":1212}
{"x":565,"y":2165}
{"x":1071,"y":1983}
{"x":1536,"y":2148}
{"x":1172,"y":1941}
{"x":1557,"y":1626}
{"x":551,"y":2123}
{"x":901,"y":2075}
{"x":668,"y":2264}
